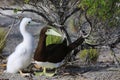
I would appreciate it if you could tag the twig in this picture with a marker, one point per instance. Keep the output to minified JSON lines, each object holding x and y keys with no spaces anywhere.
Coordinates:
{"x":29,"y":10}
{"x":74,"y":11}
{"x":18,"y":17}
{"x":8,"y":16}
{"x":10,"y":29}
{"x":68,"y":37}
{"x":7,"y":33}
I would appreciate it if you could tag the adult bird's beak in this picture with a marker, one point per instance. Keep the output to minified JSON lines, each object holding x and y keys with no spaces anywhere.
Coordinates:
{"x":53,"y":32}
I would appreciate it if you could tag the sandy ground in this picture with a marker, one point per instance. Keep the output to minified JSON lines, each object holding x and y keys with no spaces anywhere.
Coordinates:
{"x":76,"y":71}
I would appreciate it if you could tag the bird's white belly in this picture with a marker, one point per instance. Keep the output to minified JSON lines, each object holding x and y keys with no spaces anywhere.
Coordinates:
{"x":49,"y":64}
{"x":16,"y":63}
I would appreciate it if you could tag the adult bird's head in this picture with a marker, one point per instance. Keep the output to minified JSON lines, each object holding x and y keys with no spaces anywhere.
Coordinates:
{"x":52,"y":32}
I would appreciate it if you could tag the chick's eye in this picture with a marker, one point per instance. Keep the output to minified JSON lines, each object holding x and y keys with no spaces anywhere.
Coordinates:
{"x":28,"y":22}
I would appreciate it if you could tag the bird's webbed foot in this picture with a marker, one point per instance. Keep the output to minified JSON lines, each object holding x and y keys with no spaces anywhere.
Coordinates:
{"x":24,"y":74}
{"x":44,"y":73}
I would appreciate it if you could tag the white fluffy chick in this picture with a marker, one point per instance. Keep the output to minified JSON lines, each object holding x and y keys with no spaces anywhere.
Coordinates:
{"x":22,"y":56}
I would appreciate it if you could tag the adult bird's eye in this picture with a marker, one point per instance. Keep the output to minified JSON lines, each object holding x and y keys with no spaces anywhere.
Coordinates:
{"x":48,"y":30}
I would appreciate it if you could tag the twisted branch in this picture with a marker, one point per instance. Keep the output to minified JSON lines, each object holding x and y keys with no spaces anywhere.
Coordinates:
{"x":30,"y":10}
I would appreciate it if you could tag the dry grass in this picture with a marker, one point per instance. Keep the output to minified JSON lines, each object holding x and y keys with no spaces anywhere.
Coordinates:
{"x":2,"y":39}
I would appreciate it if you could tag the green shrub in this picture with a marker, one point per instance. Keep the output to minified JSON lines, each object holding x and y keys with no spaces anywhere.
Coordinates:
{"x":89,"y":55}
{"x":53,"y":40}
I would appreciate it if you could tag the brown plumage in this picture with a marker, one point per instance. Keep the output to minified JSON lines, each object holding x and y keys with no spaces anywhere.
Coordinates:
{"x":53,"y":53}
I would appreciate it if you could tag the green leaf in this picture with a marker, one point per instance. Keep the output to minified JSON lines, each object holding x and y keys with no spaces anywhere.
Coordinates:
{"x":26,"y":1}
{"x":16,"y":10}
{"x":90,"y":54}
{"x":53,"y":40}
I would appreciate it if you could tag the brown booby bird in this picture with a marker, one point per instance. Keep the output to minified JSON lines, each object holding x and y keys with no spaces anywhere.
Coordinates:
{"x":52,"y":56}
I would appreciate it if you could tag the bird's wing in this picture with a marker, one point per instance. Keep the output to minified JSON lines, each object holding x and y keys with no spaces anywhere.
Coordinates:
{"x":20,"y":49}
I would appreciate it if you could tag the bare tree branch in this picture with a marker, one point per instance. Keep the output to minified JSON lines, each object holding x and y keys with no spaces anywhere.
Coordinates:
{"x":8,"y":16}
{"x":33,"y":11}
{"x":74,"y":11}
